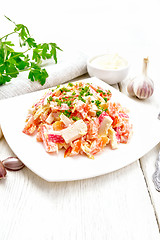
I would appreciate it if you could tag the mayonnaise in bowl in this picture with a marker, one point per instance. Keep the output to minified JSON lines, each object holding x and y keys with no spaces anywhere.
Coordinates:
{"x":110,"y":68}
{"x":109,"y":61}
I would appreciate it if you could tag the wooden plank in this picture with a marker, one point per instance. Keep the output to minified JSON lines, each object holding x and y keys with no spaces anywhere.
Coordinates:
{"x":112,"y":206}
{"x":147,"y":162}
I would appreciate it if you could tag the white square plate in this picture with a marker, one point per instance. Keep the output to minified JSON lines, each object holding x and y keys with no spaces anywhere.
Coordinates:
{"x":54,"y":167}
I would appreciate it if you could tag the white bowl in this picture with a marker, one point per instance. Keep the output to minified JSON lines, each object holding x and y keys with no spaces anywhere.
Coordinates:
{"x":110,"y":76}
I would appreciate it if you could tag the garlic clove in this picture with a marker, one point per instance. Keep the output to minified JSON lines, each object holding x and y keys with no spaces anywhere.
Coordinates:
{"x":3,"y":171}
{"x":130,"y":89}
{"x":13,"y":164}
{"x":1,"y":133}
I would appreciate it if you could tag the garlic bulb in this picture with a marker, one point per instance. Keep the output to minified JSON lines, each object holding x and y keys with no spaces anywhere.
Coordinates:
{"x":141,"y":86}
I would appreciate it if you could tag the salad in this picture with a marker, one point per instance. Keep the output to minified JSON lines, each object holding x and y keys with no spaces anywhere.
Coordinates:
{"x":79,"y":117}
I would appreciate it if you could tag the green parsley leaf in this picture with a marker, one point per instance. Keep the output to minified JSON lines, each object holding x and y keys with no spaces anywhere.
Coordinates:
{"x":31,"y":42}
{"x":4,"y":79}
{"x":12,"y":62}
{"x":11,"y":70}
{"x":53,"y":51}
{"x":39,"y":75}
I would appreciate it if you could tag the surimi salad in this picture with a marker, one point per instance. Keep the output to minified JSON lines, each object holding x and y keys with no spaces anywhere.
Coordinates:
{"x":79,"y":117}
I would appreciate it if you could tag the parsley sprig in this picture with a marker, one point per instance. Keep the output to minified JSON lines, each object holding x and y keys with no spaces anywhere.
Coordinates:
{"x":29,"y":59}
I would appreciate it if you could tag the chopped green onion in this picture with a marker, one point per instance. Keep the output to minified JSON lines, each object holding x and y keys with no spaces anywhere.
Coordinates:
{"x":105,"y":99}
{"x":64,"y":89}
{"x":82,"y":99}
{"x":100,"y":91}
{"x":59,"y":102}
{"x":49,"y":99}
{"x":70,"y":84}
{"x":68,"y":103}
{"x":84,"y":90}
{"x":67,"y":113}
{"x":75,"y":118}
{"x":98,"y":113}
{"x":97,"y":102}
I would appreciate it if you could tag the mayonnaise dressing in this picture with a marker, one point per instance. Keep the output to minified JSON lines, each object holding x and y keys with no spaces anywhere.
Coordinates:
{"x":109,"y":61}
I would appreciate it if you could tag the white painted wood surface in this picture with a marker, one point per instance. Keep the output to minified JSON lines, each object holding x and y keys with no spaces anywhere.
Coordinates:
{"x":113,"y":206}
{"x":121,"y":205}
